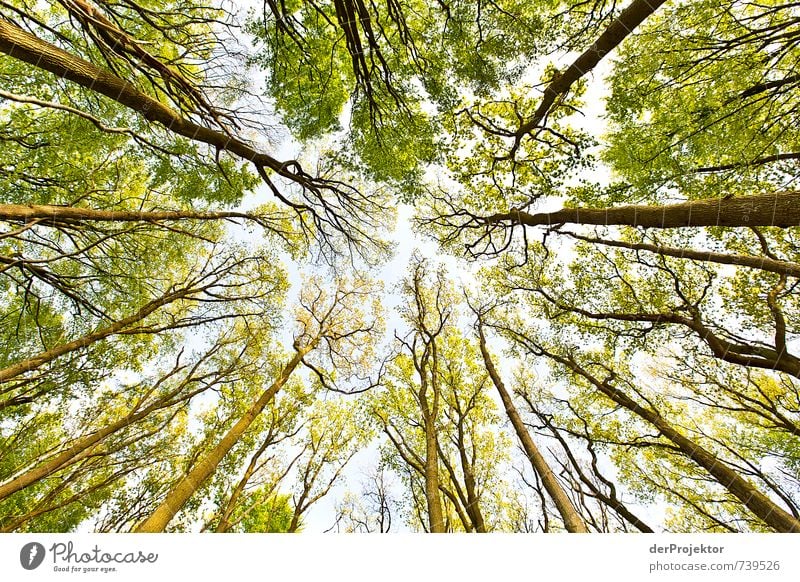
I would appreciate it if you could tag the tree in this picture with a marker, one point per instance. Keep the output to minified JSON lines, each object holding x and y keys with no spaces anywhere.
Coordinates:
{"x":623,"y":187}
{"x":124,"y":430}
{"x":263,"y":474}
{"x":129,"y":75}
{"x":329,"y":319}
{"x":733,"y":136}
{"x":436,"y":413}
{"x":572,"y":521}
{"x":371,"y":511}
{"x":219,"y":295}
{"x":171,"y":390}
{"x":334,"y":434}
{"x":617,"y":384}
{"x":587,"y":479}
{"x":428,"y":317}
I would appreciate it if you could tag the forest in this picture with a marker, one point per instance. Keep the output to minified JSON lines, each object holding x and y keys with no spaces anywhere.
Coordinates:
{"x":400,"y":266}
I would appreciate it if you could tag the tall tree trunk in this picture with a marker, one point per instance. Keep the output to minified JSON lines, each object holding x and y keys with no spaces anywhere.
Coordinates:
{"x":69,"y":214}
{"x":297,"y":513}
{"x":761,"y":505}
{"x":623,"y":25}
{"x":47,"y":356}
{"x":27,"y":47}
{"x":610,"y":499}
{"x":572,"y":519}
{"x":429,"y":415}
{"x":181,"y":493}
{"x":78,"y":450}
{"x":417,"y":464}
{"x":456,"y":495}
{"x":777,"y":209}
{"x":434,"y":501}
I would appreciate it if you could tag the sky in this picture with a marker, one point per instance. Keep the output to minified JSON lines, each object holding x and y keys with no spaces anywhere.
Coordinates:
{"x":406,"y":241}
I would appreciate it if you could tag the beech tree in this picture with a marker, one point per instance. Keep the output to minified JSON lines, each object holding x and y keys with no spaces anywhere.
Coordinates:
{"x":615,"y":378}
{"x":123,"y":430}
{"x":572,"y":520}
{"x":238,"y":499}
{"x":334,"y":321}
{"x":436,"y":413}
{"x":101,"y":49}
{"x":615,"y":185}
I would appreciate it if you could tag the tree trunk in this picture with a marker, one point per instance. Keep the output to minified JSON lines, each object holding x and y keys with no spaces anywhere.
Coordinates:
{"x":62,"y":214}
{"x":778,"y":209}
{"x":473,"y":502}
{"x":623,"y":25}
{"x":27,"y":47}
{"x":429,"y":415}
{"x":294,"y":524}
{"x":80,"y":449}
{"x":610,"y":499}
{"x":473,"y":506}
{"x":762,"y":263}
{"x":761,"y":505}
{"x":572,"y":519}
{"x":434,"y":501}
{"x":43,"y":358}
{"x":181,"y":493}
{"x":757,"y":355}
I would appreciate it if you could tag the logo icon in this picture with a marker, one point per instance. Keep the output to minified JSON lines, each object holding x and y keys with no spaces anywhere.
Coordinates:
{"x":31,"y":555}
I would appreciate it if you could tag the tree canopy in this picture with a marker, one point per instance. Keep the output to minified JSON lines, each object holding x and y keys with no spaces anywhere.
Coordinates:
{"x":211,"y":318}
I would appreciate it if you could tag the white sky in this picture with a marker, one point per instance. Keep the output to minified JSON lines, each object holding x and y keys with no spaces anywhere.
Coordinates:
{"x":407,"y":241}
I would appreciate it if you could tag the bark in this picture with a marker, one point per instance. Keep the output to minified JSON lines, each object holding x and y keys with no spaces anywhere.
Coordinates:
{"x":416,"y":463}
{"x":109,"y":38}
{"x":457,"y":497}
{"x":294,"y":525}
{"x":780,"y":209}
{"x":434,"y":501}
{"x":610,"y":499}
{"x":757,"y":356}
{"x":323,"y":205}
{"x":761,"y":505}
{"x":468,"y":495}
{"x":78,"y":450}
{"x":45,"y":357}
{"x":435,"y":513}
{"x":473,"y":506}
{"x":572,"y":519}
{"x":768,"y":86}
{"x":62,"y":214}
{"x":27,"y":47}
{"x":188,"y":486}
{"x":427,"y":367}
{"x":762,"y":263}
{"x":750,"y":164}
{"x":627,"y":21}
